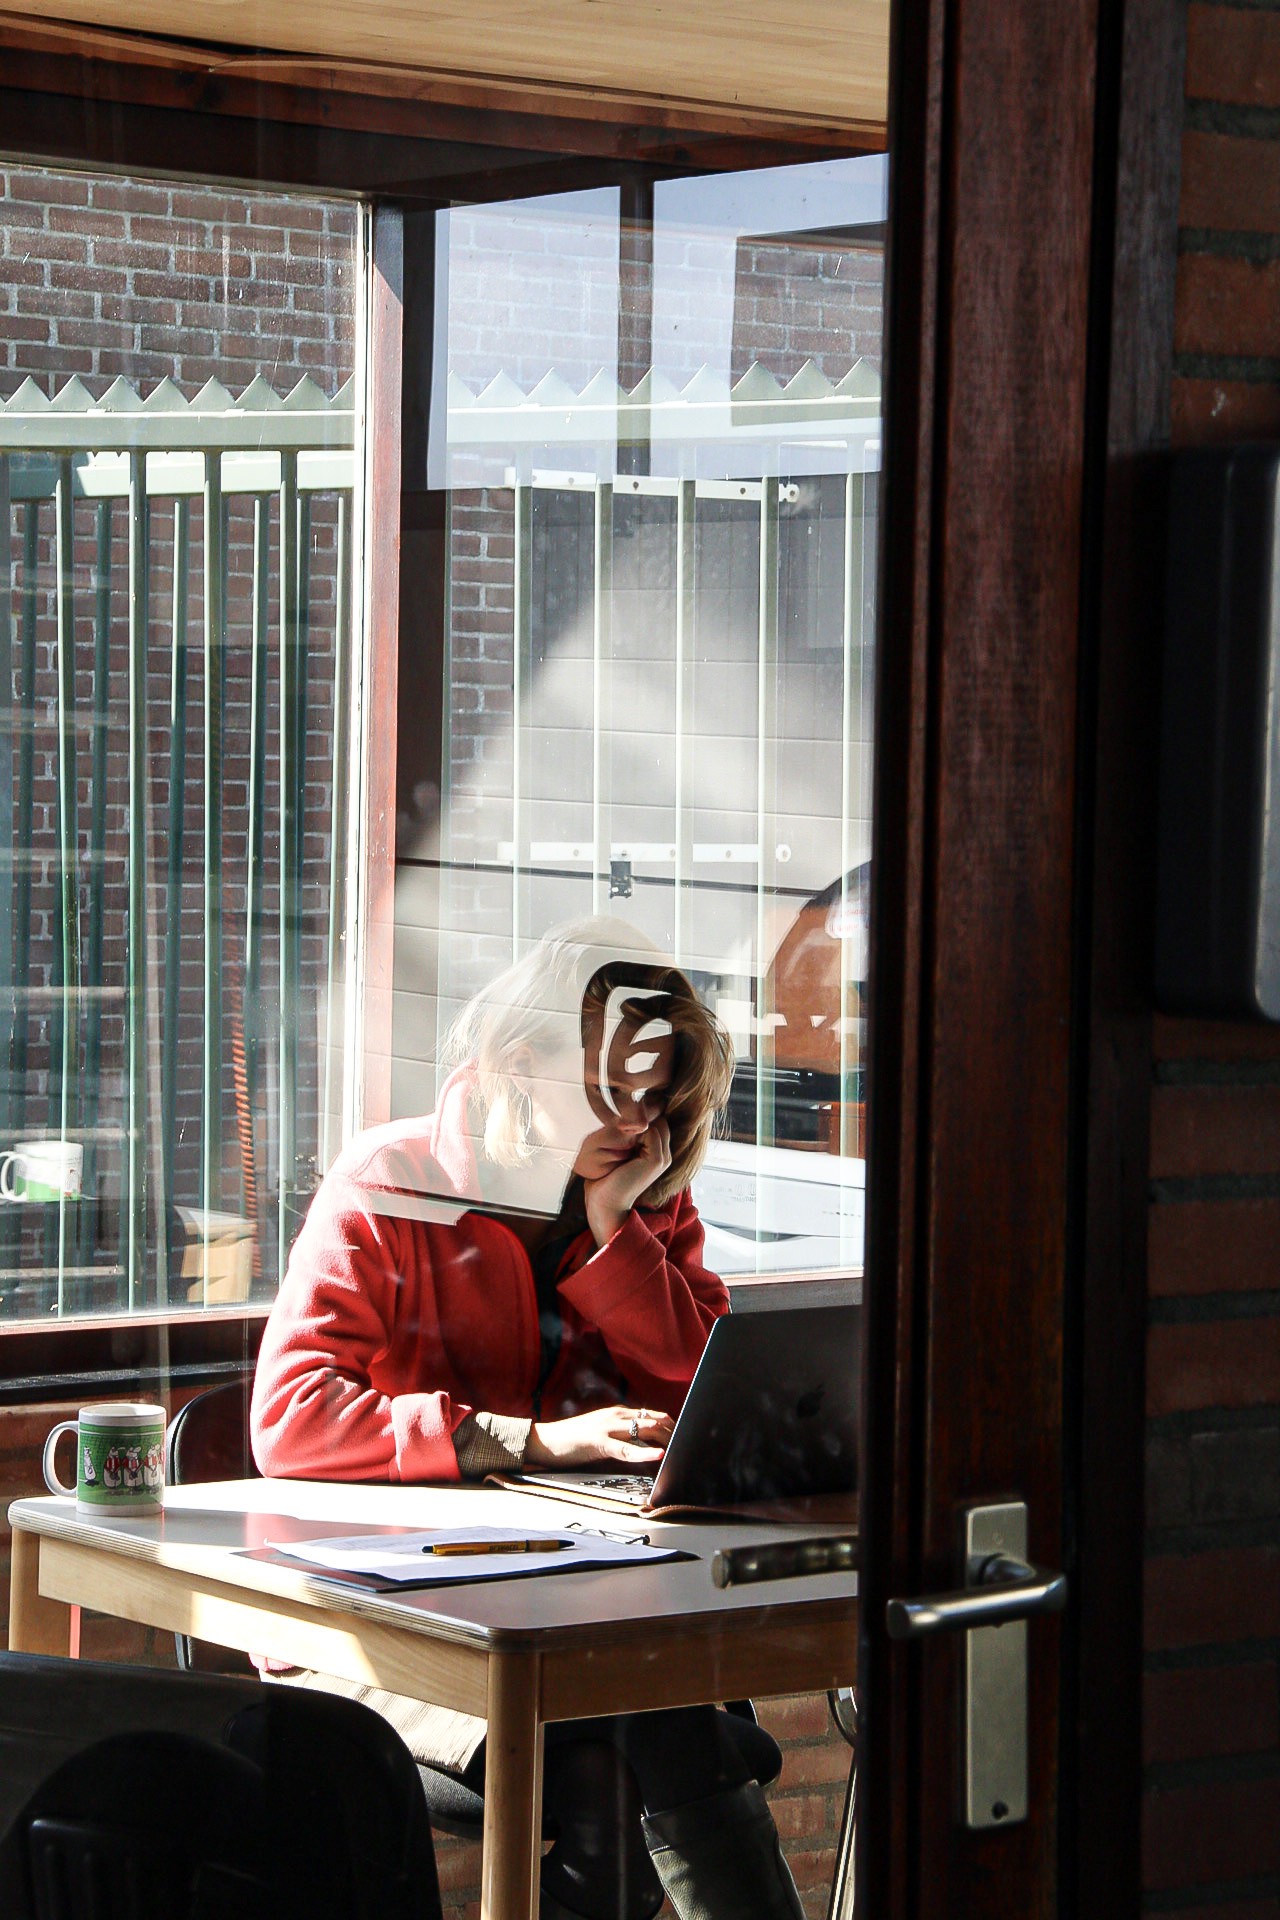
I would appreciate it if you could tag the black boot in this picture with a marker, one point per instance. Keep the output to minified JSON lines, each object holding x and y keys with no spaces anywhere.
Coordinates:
{"x":719,"y":1859}
{"x":598,"y":1868}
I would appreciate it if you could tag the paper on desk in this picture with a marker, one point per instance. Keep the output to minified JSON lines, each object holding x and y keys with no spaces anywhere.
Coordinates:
{"x":401,"y":1559}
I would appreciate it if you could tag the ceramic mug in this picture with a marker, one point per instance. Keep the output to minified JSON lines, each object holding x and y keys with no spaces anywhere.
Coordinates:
{"x":41,"y":1170}
{"x":119,"y":1458}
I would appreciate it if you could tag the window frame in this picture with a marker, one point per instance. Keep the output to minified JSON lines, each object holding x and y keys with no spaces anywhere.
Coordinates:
{"x":89,"y":99}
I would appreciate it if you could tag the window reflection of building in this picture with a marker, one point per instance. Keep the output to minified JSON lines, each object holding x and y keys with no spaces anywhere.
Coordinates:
{"x":659,"y":612}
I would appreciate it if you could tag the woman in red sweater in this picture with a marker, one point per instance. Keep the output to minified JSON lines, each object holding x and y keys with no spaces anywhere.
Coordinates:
{"x":518,"y":1278}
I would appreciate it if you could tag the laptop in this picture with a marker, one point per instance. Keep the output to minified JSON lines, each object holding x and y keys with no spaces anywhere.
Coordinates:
{"x":771,"y":1414}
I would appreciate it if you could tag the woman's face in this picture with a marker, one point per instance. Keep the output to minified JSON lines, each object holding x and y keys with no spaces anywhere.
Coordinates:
{"x":631,"y":1097}
{"x":625,"y":1093}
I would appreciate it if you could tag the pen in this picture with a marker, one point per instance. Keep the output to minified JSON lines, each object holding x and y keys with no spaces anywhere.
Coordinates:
{"x":498,"y":1546}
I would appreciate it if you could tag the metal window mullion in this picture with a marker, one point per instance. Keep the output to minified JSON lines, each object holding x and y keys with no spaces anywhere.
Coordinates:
{"x":686,"y":618}
{"x":176,"y":836}
{"x":766,"y":797}
{"x":446,"y":898}
{"x":255,"y":832}
{"x":214,"y":694}
{"x":290,"y":807}
{"x":135,"y":1247}
{"x":97,"y":851}
{"x":25,"y":812}
{"x":853,"y":591}
{"x":338,"y":801}
{"x":601,"y":690}
{"x":175,"y":878}
{"x":8,"y":901}
{"x":7,"y":844}
{"x":522,"y":643}
{"x":68,"y":889}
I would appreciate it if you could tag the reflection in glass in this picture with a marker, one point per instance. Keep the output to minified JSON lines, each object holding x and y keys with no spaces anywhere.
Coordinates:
{"x":178,"y":458}
{"x":655,"y":415}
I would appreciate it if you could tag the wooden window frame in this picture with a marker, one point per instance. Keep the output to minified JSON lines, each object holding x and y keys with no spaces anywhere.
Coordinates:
{"x":112,"y":101}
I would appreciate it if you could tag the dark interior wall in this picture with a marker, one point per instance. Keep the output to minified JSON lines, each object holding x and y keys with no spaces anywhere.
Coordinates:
{"x":1212,"y":1703}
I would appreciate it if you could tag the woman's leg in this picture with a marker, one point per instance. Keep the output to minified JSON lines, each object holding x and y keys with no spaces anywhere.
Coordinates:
{"x":707,"y":1824}
{"x":668,"y":1791}
{"x":598,"y":1866}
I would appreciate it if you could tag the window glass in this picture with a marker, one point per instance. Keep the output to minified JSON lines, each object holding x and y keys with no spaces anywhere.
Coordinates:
{"x":179,"y":430}
{"x":655,"y":427}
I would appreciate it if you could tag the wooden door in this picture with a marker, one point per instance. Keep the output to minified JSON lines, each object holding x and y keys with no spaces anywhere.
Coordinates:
{"x":989,"y":460}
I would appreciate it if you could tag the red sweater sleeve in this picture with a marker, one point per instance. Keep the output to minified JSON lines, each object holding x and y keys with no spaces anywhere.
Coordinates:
{"x":316,"y":1413}
{"x":653,"y":1300}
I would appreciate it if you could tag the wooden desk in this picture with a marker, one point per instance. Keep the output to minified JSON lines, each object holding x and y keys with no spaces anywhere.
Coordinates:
{"x":519,"y":1652}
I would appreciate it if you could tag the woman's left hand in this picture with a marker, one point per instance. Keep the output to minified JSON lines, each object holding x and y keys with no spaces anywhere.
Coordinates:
{"x":611,"y":1198}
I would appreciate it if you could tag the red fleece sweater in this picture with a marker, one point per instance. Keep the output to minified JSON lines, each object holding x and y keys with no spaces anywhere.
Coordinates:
{"x":389,"y":1330}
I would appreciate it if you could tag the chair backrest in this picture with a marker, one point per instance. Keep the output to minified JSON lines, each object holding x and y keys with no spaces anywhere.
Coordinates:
{"x":142,"y":1825}
{"x":208,"y":1439}
{"x":265,"y":1805}
{"x":334,"y":1767}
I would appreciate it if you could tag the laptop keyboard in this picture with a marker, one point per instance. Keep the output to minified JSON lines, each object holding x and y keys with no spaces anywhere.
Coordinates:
{"x":634,"y":1488}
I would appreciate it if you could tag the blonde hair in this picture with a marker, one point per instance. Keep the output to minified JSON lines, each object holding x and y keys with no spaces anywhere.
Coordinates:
{"x":543,"y":1005}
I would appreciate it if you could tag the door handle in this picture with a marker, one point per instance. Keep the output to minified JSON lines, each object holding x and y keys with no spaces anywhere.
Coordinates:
{"x":1001,"y":1592}
{"x":1004,"y":1587}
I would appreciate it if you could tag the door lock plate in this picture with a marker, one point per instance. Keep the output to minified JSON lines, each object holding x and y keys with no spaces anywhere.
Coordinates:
{"x":995,"y":1680}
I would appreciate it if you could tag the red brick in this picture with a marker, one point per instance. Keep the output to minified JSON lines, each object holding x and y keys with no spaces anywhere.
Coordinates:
{"x":1211,"y":1130}
{"x":801,"y":1817}
{"x":1178,"y":1038}
{"x":812,"y":1867}
{"x":1213,"y":1246}
{"x":1233,"y":54}
{"x":1197,"y":1712}
{"x":1227,"y":306}
{"x":1264,"y":1909}
{"x":1229,"y":183}
{"x":130,"y":196}
{"x":1214,"y":1363}
{"x":1204,"y":411}
{"x":84,"y":220}
{"x":823,"y":1765}
{"x":1223,"y":1831}
{"x":800,"y":1716}
{"x":1207,"y":1598}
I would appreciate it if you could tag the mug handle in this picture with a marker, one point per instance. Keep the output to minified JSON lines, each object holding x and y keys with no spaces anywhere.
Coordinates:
{"x":51,"y":1479}
{"x":6,"y":1175}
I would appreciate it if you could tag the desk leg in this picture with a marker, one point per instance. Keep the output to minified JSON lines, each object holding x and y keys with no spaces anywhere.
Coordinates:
{"x":36,"y":1625}
{"x":512,"y":1790}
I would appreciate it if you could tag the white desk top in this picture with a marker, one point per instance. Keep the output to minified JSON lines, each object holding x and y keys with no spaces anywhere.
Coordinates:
{"x":201,"y":1527}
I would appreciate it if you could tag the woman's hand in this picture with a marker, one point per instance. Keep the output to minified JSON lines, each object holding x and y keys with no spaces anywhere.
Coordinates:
{"x":603,"y":1434}
{"x":610,"y":1199}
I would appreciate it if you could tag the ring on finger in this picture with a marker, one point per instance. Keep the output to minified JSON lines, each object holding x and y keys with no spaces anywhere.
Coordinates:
{"x":634,"y":1429}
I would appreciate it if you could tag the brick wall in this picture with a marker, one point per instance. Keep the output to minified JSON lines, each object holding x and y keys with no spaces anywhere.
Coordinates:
{"x":153,"y":279}
{"x":1212,"y":1703}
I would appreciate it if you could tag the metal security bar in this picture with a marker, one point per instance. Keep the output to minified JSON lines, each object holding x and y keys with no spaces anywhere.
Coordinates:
{"x":116,"y":1045}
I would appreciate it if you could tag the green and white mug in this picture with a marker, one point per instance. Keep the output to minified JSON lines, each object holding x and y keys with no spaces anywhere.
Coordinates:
{"x":42,"y":1170}
{"x":119,"y":1458}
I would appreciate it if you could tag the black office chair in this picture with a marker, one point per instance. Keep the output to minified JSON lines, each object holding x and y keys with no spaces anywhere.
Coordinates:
{"x":131,"y":1794}
{"x":209,"y":1440}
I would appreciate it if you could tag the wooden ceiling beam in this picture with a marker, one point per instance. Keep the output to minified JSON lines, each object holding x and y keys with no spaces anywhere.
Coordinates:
{"x":726,"y":74}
